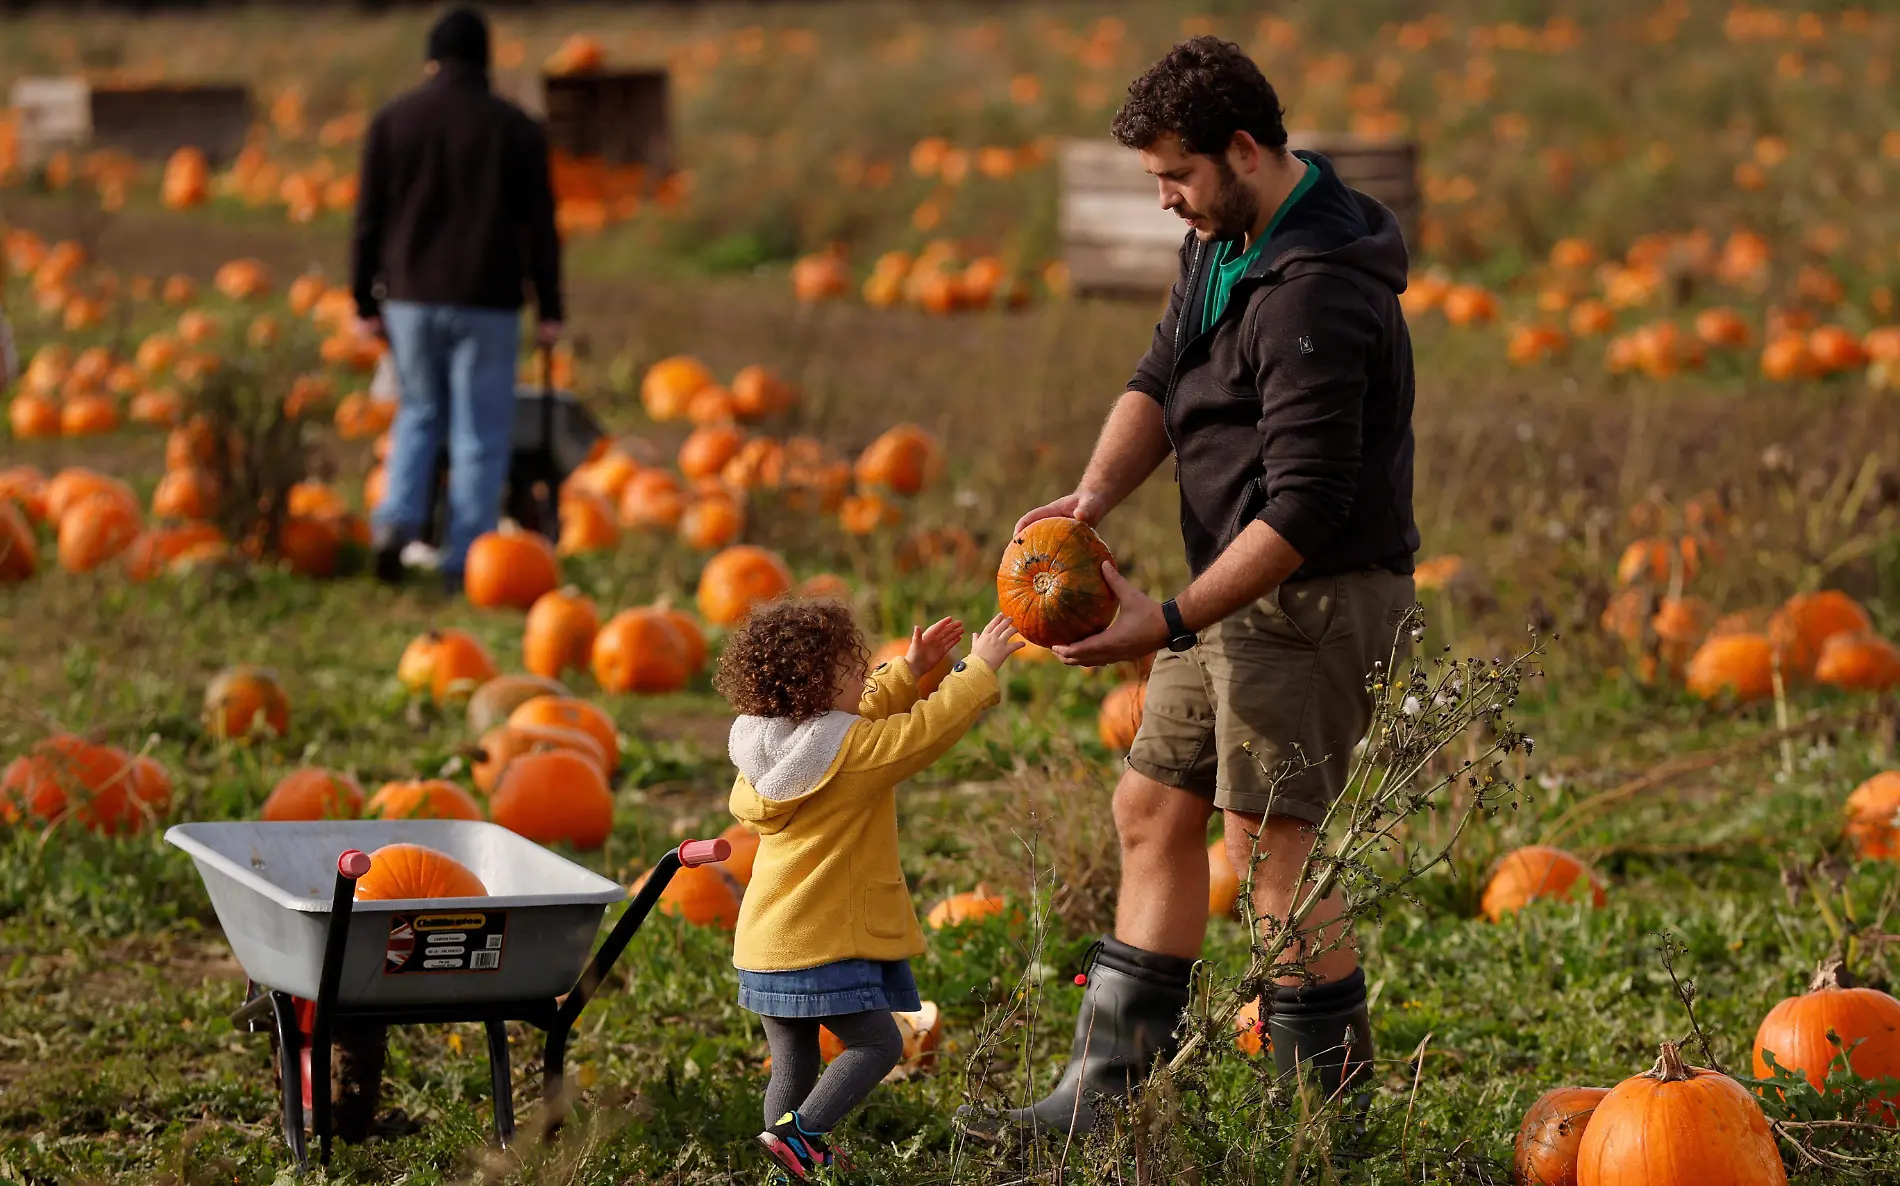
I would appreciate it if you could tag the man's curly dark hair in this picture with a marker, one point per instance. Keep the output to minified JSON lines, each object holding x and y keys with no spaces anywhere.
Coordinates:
{"x":788,"y":659}
{"x":1204,"y":90}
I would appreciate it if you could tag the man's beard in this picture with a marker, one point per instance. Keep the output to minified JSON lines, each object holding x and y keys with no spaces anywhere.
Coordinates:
{"x":1236,"y":207}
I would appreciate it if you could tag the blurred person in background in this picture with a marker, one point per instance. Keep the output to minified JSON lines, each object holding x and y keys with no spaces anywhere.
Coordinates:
{"x":454,"y":223}
{"x":1280,"y":381}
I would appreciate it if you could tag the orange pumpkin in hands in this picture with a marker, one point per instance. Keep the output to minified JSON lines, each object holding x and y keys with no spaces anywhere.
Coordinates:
{"x":398,"y":871}
{"x":314,"y":793}
{"x":510,"y":569}
{"x":559,"y":633}
{"x":1552,"y":1132}
{"x":1677,"y":1125}
{"x":567,"y":712}
{"x":1050,"y":583}
{"x":242,"y":702}
{"x":639,"y":650}
{"x":738,"y":578}
{"x":1534,"y":872}
{"x":431,"y":798}
{"x":554,"y":796}
{"x":706,"y":896}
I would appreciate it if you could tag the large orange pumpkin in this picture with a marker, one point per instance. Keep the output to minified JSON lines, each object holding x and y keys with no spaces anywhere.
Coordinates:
{"x":554,"y":796}
{"x":1741,"y":665}
{"x":738,"y":578}
{"x":314,"y":793}
{"x":639,"y":650}
{"x":567,"y":712}
{"x":690,"y":634}
{"x":1806,"y":621}
{"x":19,"y":553}
{"x":510,"y":569}
{"x":1873,"y":817}
{"x":504,"y":743}
{"x":1050,"y":583}
{"x":1553,"y":1128}
{"x":96,"y":530}
{"x":399,"y":871}
{"x":1120,"y":718}
{"x":671,"y":384}
{"x":927,"y":681}
{"x":905,"y":459}
{"x":1859,"y":662}
{"x":1677,"y":1125}
{"x":559,"y":633}
{"x":972,"y":906}
{"x":243,"y":701}
{"x":705,"y":895}
{"x":458,"y":666}
{"x":422,"y":799}
{"x":1806,"y":1033}
{"x":1534,"y":872}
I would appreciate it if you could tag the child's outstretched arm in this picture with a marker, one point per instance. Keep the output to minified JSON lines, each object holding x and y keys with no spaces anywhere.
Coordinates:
{"x":893,"y":687}
{"x":902,"y":744}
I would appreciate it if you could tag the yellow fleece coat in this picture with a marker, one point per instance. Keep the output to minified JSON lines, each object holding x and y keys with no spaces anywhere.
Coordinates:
{"x":826,"y":884}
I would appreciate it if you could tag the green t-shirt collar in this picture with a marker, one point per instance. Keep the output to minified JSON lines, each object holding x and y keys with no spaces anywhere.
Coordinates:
{"x":1227,"y":272}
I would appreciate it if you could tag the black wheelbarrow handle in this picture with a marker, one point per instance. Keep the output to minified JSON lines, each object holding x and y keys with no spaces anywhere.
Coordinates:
{"x":352,"y":864}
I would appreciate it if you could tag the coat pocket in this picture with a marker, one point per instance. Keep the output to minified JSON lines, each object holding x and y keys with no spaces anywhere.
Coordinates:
{"x":888,"y":913}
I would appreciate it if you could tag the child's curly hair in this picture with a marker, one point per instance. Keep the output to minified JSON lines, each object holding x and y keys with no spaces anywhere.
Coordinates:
{"x":786,"y":659}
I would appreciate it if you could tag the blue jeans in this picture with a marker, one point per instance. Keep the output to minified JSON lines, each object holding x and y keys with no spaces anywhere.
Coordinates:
{"x":457,"y":367}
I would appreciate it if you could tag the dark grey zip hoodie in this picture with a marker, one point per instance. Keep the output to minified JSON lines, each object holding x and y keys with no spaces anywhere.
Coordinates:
{"x":1295,"y":408}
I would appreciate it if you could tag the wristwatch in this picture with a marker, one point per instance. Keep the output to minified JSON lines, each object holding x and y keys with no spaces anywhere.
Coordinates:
{"x":1180,"y":638}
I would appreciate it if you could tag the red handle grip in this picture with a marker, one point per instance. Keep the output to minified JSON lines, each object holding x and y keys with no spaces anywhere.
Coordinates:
{"x":704,"y":852}
{"x":352,"y":864}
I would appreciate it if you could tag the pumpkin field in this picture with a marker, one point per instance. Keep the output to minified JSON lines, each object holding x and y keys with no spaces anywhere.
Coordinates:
{"x":1636,"y":881}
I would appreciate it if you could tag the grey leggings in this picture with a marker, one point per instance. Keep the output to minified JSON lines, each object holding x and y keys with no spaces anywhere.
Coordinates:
{"x":872,"y":1047}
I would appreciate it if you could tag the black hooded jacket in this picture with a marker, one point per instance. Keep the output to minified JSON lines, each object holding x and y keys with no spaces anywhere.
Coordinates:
{"x":1295,"y":408}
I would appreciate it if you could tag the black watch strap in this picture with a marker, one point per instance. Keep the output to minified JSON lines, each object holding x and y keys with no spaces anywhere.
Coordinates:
{"x":1180,"y":638}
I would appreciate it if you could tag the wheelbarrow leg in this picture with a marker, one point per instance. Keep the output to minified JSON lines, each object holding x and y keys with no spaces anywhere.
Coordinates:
{"x":290,"y":1073}
{"x":502,"y":1082}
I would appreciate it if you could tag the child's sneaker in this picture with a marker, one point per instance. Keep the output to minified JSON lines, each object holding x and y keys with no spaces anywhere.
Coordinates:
{"x":801,"y":1153}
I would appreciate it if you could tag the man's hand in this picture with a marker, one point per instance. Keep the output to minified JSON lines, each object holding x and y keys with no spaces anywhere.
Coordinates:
{"x":548,"y":333}
{"x":369,"y":327}
{"x":1082,"y":505}
{"x":1138,"y":629}
{"x":928,"y":647}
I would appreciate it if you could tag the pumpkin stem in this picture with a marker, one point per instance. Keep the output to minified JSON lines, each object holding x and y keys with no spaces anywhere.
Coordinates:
{"x":1832,"y":973}
{"x":1669,"y":1066}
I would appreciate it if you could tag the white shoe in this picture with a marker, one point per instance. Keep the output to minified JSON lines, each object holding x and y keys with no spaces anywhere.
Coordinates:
{"x":417,"y":554}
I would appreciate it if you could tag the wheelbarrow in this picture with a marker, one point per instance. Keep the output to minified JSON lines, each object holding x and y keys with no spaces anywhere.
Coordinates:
{"x":317,"y":959}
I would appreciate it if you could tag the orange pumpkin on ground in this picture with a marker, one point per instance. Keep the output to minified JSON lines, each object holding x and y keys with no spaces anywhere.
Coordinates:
{"x":711,"y":523}
{"x":243,"y":701}
{"x":1873,"y":817}
{"x":652,"y":499}
{"x":1807,"y":1032}
{"x":972,"y":906}
{"x":1742,"y":665}
{"x":153,"y":551}
{"x":33,"y":417}
{"x":1806,"y":621}
{"x":26,"y":486}
{"x":639,"y":650}
{"x":1120,"y":717}
{"x":1223,"y":881}
{"x":757,"y":393}
{"x":1677,"y":1125}
{"x":19,"y":552}
{"x":554,"y":796}
{"x":314,"y":793}
{"x":670,"y":385}
{"x":588,"y":524}
{"x":73,"y":485}
{"x":1050,"y":582}
{"x":398,"y":871}
{"x":311,"y":547}
{"x":88,"y":415}
{"x":416,"y":668}
{"x":897,"y":648}
{"x":510,"y":569}
{"x":706,"y":896}
{"x":1859,"y":662}
{"x":567,"y":712}
{"x":458,"y":666}
{"x":738,"y":578}
{"x":1553,"y":1128}
{"x":430,"y":798}
{"x":690,"y":634}
{"x":502,"y":744}
{"x":559,"y":633}
{"x":101,"y":787}
{"x":1535,"y":872}
{"x":1250,"y":1035}
{"x":745,"y":850}
{"x":825,"y":585}
{"x":95,"y":531}
{"x":905,"y":459}
{"x":707,"y":450}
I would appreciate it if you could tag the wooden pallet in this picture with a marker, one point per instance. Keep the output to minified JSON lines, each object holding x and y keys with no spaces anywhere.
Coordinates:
{"x":621,"y":117}
{"x":149,"y":122}
{"x":1116,"y":238}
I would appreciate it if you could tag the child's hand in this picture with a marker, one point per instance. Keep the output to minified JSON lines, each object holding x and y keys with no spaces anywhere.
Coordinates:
{"x":928,"y":647}
{"x":997,"y":642}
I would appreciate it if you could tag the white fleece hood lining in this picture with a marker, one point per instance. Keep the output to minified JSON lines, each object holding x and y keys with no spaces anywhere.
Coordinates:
{"x":784,"y":759}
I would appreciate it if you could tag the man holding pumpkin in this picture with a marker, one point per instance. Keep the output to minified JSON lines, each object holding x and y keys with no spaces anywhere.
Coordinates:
{"x":1280,"y":379}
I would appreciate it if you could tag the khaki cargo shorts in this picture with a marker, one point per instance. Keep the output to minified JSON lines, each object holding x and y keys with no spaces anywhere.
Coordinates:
{"x":1284,"y":678}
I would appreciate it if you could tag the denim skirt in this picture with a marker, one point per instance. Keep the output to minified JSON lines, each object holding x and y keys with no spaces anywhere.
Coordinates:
{"x":829,"y":990}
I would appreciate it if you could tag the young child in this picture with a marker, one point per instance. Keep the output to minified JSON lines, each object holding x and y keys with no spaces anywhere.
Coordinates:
{"x":827,"y":928}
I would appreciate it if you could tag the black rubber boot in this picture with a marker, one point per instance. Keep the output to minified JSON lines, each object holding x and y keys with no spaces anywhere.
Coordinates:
{"x":386,"y":547}
{"x":361,"y":1050}
{"x":1128,"y":1017}
{"x":1329,"y":1028}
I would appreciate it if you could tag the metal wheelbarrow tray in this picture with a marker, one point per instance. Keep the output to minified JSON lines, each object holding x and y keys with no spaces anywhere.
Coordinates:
{"x":284,"y":894}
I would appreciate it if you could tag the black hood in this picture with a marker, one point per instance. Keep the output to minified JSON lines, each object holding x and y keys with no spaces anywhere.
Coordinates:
{"x":1335,"y":226}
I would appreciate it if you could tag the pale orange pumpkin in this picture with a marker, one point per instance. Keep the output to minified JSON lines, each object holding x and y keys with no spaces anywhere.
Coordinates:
{"x":559,"y":633}
{"x":504,"y":743}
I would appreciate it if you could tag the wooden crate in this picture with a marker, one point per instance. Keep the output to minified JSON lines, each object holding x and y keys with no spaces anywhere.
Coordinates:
{"x":622,"y":117}
{"x":149,"y":122}
{"x":1116,"y":238}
